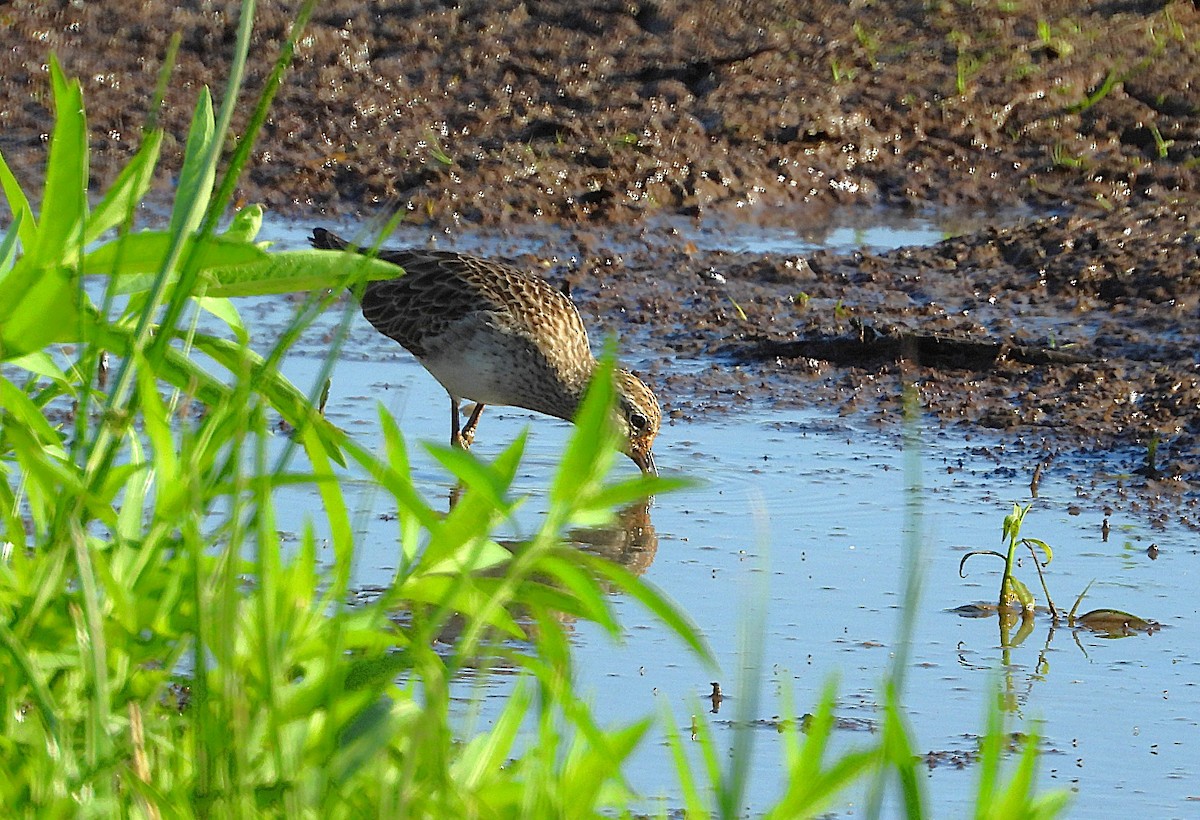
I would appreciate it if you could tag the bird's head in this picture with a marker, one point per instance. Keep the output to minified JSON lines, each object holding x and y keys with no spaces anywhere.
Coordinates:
{"x":638,"y":415}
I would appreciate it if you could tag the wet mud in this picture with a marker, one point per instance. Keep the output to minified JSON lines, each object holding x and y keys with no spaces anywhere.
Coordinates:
{"x":1074,"y":324}
{"x":1084,"y":325}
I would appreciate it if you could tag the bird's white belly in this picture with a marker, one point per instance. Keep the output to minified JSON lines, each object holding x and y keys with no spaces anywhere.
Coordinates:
{"x":481,"y":366}
{"x":479,"y":382}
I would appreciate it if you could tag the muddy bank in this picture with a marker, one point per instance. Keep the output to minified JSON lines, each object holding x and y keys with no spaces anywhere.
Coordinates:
{"x":1077,"y":330}
{"x":551,"y":109}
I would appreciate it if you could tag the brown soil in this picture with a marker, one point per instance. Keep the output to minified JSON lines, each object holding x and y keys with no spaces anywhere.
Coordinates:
{"x":606,"y":115}
{"x":555,"y":108}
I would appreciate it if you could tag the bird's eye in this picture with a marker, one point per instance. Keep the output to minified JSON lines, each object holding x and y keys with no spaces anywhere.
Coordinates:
{"x":637,"y":421}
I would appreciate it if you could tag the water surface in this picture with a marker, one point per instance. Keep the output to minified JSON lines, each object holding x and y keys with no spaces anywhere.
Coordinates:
{"x":805,"y":512}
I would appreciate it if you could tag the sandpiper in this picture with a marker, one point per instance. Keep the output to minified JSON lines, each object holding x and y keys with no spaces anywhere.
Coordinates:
{"x":494,"y":334}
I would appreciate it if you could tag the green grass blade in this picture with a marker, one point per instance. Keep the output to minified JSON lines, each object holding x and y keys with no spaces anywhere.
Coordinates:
{"x":18,"y":205}
{"x":333,"y":501}
{"x":592,"y":446}
{"x":990,"y":748}
{"x":40,"y":695}
{"x":65,"y":195}
{"x":812,"y":789}
{"x":8,"y":245}
{"x":281,"y":393}
{"x":693,"y":805}
{"x":485,"y":755}
{"x":38,"y":306}
{"x":751,"y":640}
{"x":593,"y":769}
{"x":397,"y":484}
{"x":199,"y":170}
{"x":127,"y":191}
{"x":227,"y":266}
{"x":591,"y":602}
{"x":900,"y":756}
{"x":655,"y":601}
{"x":241,"y":153}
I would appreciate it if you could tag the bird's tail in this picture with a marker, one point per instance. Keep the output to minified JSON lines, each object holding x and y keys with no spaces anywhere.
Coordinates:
{"x":324,"y":240}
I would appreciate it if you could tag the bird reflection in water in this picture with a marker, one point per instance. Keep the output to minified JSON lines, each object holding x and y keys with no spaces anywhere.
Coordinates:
{"x":629,"y":539}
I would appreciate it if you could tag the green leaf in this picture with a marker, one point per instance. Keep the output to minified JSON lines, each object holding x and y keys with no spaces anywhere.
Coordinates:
{"x":476,"y":475}
{"x":592,"y":446}
{"x":8,"y":245}
{"x":127,"y":191}
{"x":65,"y":196}
{"x":655,"y":601}
{"x":617,"y":496}
{"x":364,"y":741}
{"x":472,"y":518}
{"x":451,"y":593}
{"x":50,"y":476}
{"x":230,"y":267}
{"x":290,"y":271}
{"x":589,"y":768}
{"x":20,"y":409}
{"x":1020,"y":799}
{"x":157,"y":423}
{"x":115,"y":481}
{"x":591,"y":600}
{"x":284,"y":396}
{"x":245,"y":225}
{"x":41,"y":364}
{"x":812,"y":788}
{"x":29,"y":669}
{"x":38,"y":306}
{"x":398,"y":484}
{"x":990,"y":748}
{"x":487,"y":753}
{"x":18,"y":204}
{"x":693,"y":805}
{"x":899,"y":751}
{"x":1016,"y":591}
{"x":136,"y":259}
{"x":197,"y":174}
{"x":476,"y":556}
{"x":224,"y":310}
{"x":1043,"y":546}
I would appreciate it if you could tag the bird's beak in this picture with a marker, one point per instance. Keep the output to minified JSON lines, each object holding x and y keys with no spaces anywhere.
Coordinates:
{"x":645,"y":461}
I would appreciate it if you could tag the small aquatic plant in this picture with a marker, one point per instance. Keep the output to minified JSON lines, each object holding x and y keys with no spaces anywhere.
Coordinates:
{"x":1014,"y":594}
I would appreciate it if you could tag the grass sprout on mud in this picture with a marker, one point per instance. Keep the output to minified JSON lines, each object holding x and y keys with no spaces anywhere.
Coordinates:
{"x":164,"y":652}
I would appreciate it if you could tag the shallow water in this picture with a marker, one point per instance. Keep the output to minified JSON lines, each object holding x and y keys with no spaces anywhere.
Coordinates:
{"x":806,"y":512}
